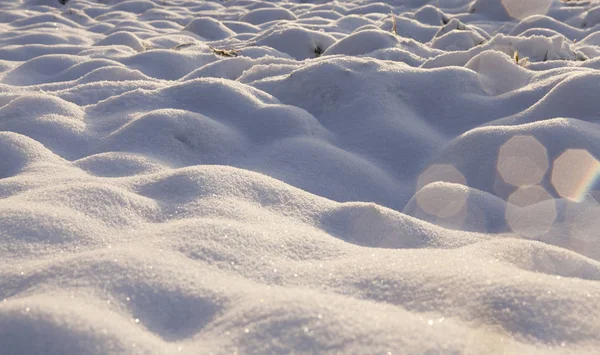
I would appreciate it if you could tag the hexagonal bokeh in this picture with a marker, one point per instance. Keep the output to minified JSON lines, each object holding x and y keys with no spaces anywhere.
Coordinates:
{"x":440,"y":172}
{"x":439,"y":201}
{"x":521,"y":9}
{"x":531,"y":211}
{"x":488,"y":339}
{"x":583,"y":223}
{"x":522,"y":161}
{"x":442,"y":202}
{"x":573,"y":173}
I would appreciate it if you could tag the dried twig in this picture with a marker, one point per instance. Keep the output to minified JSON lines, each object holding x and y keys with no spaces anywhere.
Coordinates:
{"x":225,"y":52}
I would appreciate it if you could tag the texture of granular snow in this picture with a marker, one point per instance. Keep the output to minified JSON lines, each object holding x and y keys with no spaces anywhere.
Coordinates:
{"x":263,"y":177}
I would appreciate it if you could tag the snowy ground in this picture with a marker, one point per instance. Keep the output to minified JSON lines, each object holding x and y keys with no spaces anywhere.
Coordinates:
{"x":400,"y":177}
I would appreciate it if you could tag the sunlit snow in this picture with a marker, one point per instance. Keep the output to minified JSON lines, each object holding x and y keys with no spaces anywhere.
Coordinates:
{"x":299,"y":177}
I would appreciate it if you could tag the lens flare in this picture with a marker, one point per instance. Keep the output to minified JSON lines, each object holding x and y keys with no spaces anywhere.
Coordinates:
{"x":574,"y":174}
{"x":521,"y":9}
{"x":443,"y":200}
{"x":440,"y":172}
{"x":582,"y":219}
{"x":522,"y":161}
{"x":488,"y":339}
{"x":530,"y":211}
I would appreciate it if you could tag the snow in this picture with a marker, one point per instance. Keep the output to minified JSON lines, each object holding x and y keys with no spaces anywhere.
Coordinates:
{"x":399,"y":177}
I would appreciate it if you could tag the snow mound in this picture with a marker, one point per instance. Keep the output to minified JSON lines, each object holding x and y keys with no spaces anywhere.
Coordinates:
{"x":260,"y":16}
{"x":209,"y":28}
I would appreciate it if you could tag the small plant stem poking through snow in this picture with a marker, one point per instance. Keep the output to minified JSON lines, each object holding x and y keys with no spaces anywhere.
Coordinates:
{"x":394,"y":26}
{"x":64,"y":2}
{"x":491,"y":35}
{"x":182,"y":46}
{"x":520,"y":61}
{"x":318,"y":51}
{"x":225,"y":52}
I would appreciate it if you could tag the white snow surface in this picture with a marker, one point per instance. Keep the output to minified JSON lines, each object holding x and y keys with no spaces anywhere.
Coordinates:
{"x":276,"y":177}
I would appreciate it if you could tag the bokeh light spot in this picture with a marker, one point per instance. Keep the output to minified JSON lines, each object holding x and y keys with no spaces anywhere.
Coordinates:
{"x":521,"y":9}
{"x":574,"y":173}
{"x":522,"y":161}
{"x":583,"y":222}
{"x":440,"y":172}
{"x":488,"y":339}
{"x":530,"y":211}
{"x":442,"y":201}
{"x":529,"y":195}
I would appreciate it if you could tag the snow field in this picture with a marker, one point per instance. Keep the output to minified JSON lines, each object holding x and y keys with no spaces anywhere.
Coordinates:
{"x":315,"y":177}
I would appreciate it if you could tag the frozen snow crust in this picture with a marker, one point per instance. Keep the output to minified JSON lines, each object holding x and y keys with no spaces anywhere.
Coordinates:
{"x":259,"y":177}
